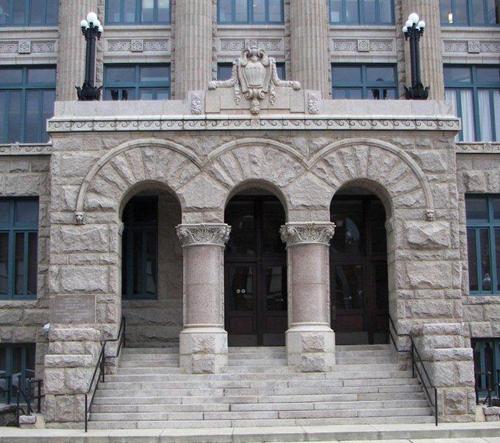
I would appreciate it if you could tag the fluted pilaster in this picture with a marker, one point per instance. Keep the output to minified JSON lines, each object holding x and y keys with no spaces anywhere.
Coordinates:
{"x":431,"y":52}
{"x":71,"y":56}
{"x":193,"y":45}
{"x":309,"y":44}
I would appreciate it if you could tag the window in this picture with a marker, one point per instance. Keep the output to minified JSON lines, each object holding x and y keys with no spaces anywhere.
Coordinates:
{"x":486,"y":366}
{"x":137,"y":12}
{"x":364,"y":81}
{"x":140,"y":250}
{"x":29,"y":12}
{"x":483,"y":243}
{"x":17,"y":362}
{"x":224,"y":71}
{"x":27,"y":96}
{"x":470,"y":12}
{"x":361,"y":12}
{"x":18,"y":248}
{"x":250,"y":11}
{"x":137,"y":82}
{"x":474,"y":92}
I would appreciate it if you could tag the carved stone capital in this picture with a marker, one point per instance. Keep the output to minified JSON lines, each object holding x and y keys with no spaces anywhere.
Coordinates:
{"x":297,"y":233}
{"x":203,"y":234}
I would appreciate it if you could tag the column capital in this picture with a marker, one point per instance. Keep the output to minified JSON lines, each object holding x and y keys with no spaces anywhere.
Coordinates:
{"x":203,"y":234}
{"x":296,"y":233}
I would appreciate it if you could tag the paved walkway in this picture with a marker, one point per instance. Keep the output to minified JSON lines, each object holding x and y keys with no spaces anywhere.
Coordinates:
{"x":420,"y":433}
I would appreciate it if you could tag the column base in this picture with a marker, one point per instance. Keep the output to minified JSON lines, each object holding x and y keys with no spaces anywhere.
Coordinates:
{"x":203,"y":350}
{"x":311,"y":348}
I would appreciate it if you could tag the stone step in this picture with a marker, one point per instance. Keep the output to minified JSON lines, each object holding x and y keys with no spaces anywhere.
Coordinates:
{"x":200,"y":424}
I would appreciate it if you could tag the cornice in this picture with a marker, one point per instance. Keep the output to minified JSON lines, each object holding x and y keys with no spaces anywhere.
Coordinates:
{"x":25,"y":149}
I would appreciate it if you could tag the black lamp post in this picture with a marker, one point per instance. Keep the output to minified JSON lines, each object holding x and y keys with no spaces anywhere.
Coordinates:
{"x":92,"y":30}
{"x":413,"y":30}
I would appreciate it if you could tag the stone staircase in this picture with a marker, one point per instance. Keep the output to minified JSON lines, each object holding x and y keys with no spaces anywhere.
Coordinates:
{"x":258,"y":389}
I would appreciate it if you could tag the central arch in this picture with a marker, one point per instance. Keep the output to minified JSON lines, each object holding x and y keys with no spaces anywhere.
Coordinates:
{"x":255,"y":269}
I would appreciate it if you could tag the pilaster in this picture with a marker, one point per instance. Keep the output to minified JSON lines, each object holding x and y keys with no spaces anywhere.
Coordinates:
{"x":309,"y":339}
{"x":309,"y":44}
{"x":431,"y":46}
{"x":203,"y":340}
{"x":193,"y":45}
{"x":71,"y":56}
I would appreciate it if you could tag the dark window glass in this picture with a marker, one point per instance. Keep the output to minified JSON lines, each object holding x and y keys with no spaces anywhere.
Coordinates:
{"x":470,"y":12}
{"x":273,"y":214}
{"x":240,"y":214}
{"x":133,"y":12}
{"x":360,"y":12}
{"x":4,"y":264}
{"x":275,"y":283}
{"x":250,"y":11}
{"x":17,"y":363}
{"x":483,"y":244}
{"x":28,"y":13}
{"x":486,"y":366}
{"x":224,"y":71}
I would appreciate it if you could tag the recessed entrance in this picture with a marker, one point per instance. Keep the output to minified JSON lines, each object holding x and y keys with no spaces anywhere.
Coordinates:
{"x":358,"y":269}
{"x":255,"y":271}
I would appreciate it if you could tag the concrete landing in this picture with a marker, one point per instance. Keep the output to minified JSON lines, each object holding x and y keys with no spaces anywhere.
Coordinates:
{"x":478,"y":432}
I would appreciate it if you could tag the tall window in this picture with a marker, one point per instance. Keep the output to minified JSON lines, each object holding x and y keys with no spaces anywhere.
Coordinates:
{"x":474,"y":92}
{"x":224,"y":71}
{"x":483,"y":243}
{"x":28,"y":12}
{"x":250,"y":11}
{"x":17,"y":362}
{"x":470,"y":12}
{"x":364,"y":81}
{"x":137,"y":82}
{"x":362,"y":12}
{"x":140,"y":248}
{"x":27,"y":96}
{"x":136,"y":12}
{"x":487,"y":366}
{"x":18,"y":248}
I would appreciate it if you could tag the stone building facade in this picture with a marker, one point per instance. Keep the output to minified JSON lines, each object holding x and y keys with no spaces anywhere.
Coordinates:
{"x":296,"y":144}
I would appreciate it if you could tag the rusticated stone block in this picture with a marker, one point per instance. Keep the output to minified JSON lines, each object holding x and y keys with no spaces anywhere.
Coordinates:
{"x":428,"y":235}
{"x":92,"y":279}
{"x":432,"y":275}
{"x":313,"y":343}
{"x":455,"y":402}
{"x":86,"y":238}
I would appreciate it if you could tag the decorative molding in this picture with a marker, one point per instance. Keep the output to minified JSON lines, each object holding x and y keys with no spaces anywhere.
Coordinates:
{"x":297,"y":233}
{"x":478,"y":148}
{"x":240,"y":44}
{"x":197,"y":103}
{"x":28,"y":47}
{"x":203,"y":234}
{"x":25,"y":149}
{"x":24,"y":47}
{"x":313,"y":102}
{"x":138,"y":45}
{"x":362,"y":45}
{"x":471,"y":46}
{"x":267,"y":122}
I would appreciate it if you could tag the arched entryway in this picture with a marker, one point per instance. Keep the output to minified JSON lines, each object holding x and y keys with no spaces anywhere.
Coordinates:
{"x":255,"y":270}
{"x":358,"y":268}
{"x":151,"y":268}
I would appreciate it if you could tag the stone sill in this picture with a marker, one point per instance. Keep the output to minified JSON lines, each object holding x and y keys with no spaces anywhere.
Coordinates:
{"x":478,"y":148}
{"x":26,"y":149}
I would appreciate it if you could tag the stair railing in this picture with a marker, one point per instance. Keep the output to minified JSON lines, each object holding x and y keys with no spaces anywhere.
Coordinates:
{"x":100,"y":369}
{"x":418,"y":367}
{"x":25,"y":397}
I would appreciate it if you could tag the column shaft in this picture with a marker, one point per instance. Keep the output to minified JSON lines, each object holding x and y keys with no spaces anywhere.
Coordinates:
{"x":71,"y":56}
{"x":193,"y":45}
{"x":203,"y":340}
{"x":431,"y":52}
{"x":309,"y":44}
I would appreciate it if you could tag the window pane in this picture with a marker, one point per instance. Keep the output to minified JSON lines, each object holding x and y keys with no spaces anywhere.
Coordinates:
{"x":385,"y":11}
{"x":275,"y":289}
{"x":150,"y":265}
{"x":37,"y":12}
{"x":496,"y":208}
{"x":492,"y":12}
{"x":26,"y":212}
{"x":369,"y":11}
{"x":164,"y":11}
{"x":147,"y":11}
{"x":11,"y":76}
{"x":241,"y":13}
{"x":496,"y":109}
{"x":4,"y":211}
{"x":15,"y":120}
{"x":457,"y":74}
{"x":4,"y":12}
{"x":478,"y":17}
{"x":380,"y":74}
{"x":224,"y":71}
{"x":19,"y":264}
{"x":32,"y":262}
{"x":113,"y":11}
{"x":460,"y":14}
{"x":346,"y":74}
{"x":467,"y":115}
{"x":445,"y":7}
{"x":484,"y":238}
{"x":489,"y":74}
{"x":335,"y":11}
{"x":275,"y":11}
{"x":259,"y":11}
{"x":155,"y":74}
{"x":33,"y":116}
{"x":497,"y":249}
{"x":280,"y":67}
{"x":120,"y":74}
{"x":129,"y":11}
{"x":225,"y":11}
{"x":41,"y":75}
{"x":274,"y":217}
{"x":476,"y":208}
{"x":4,"y":255}
{"x":351,"y":11}
{"x":162,"y":94}
{"x":471,"y":250}
{"x":18,"y":12}
{"x":48,"y":99}
{"x":4,"y":110}
{"x":52,"y":12}
{"x":485,"y":115}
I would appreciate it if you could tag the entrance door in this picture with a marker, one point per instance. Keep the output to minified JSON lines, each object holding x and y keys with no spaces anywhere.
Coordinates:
{"x":255,"y":272}
{"x":358,"y":270}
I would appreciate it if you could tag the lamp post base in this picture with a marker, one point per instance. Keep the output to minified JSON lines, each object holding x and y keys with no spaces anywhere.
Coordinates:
{"x":88,"y":93}
{"x":417,"y":92}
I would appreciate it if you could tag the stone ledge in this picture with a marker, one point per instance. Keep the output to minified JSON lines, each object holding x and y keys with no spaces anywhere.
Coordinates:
{"x":25,"y":149}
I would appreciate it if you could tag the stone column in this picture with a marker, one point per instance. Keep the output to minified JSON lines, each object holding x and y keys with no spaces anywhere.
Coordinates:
{"x":193,"y":45}
{"x":310,"y":341}
{"x":309,"y":44}
{"x":431,"y":46}
{"x":203,"y":341}
{"x":71,"y":56}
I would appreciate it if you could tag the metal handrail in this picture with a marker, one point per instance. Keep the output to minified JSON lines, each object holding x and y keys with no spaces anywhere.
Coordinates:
{"x":28,"y":396}
{"x":416,"y":360}
{"x":488,"y":400}
{"x":99,"y":369}
{"x":8,"y":389}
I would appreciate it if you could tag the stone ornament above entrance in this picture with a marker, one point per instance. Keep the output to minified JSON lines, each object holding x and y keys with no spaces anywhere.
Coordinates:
{"x":255,"y":77}
{"x":297,"y":233}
